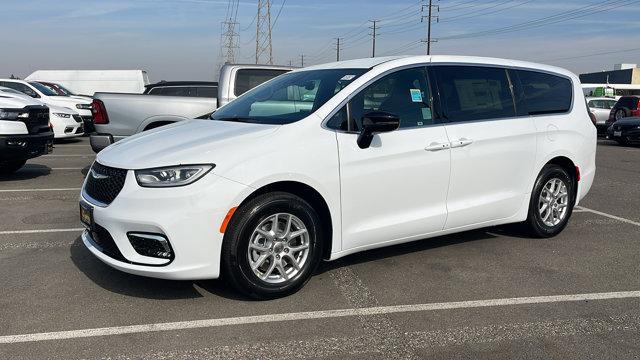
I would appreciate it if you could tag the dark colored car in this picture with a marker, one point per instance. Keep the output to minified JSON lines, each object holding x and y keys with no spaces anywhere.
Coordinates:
{"x":625,"y":130}
{"x":206,"y":89}
{"x":627,"y":106}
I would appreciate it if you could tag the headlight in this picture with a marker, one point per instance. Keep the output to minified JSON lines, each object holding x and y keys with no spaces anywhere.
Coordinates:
{"x":171,"y":176}
{"x":13,"y":114}
{"x":83,"y":106}
{"x":62,"y":115}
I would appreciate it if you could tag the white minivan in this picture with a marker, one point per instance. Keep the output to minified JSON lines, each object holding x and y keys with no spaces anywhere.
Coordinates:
{"x":339,"y":158}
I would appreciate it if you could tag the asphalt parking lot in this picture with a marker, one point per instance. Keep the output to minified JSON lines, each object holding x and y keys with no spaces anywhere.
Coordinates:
{"x":491,"y":293}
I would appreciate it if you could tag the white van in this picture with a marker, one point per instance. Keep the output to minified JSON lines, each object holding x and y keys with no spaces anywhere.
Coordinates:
{"x":339,"y":158}
{"x":89,"y":82}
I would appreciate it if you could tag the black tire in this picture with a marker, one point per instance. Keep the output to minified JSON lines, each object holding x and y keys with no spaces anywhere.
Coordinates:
{"x":622,"y":141}
{"x":534,"y":222}
{"x":621,"y":113}
{"x":236,"y":268}
{"x":9,"y":167}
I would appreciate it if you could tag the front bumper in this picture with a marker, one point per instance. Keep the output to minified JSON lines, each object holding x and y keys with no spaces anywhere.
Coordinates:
{"x":34,"y":145}
{"x":189,"y":217}
{"x":626,"y":134}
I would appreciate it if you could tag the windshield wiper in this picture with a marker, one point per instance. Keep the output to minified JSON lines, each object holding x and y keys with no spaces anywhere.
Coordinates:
{"x":236,"y":119}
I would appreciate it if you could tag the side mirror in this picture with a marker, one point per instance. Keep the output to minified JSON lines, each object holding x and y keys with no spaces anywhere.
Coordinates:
{"x":374,"y":123}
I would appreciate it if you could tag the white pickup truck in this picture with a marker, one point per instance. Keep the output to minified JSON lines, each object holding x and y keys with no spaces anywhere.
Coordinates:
{"x":117,"y":115}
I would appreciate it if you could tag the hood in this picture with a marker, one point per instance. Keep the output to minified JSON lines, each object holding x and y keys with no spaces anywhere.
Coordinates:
{"x":185,"y":142}
{"x":15,"y":101}
{"x":628,"y":121}
{"x":64,"y":101}
{"x":63,"y":110}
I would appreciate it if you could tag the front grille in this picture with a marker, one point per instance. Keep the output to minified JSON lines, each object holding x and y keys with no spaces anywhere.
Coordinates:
{"x":104,"y":241}
{"x":38,"y":120}
{"x":104,"y":183}
{"x":77,"y":118}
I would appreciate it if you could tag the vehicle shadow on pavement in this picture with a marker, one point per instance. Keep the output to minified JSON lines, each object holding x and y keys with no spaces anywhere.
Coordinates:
{"x":143,"y":287}
{"x":138,"y":286}
{"x":423,"y":245}
{"x":28,"y":172}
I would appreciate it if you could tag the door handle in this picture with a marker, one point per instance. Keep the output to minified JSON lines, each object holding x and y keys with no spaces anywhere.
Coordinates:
{"x":462,"y":142}
{"x":436,"y":146}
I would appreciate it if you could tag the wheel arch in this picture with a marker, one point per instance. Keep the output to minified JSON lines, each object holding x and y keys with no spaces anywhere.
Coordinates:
{"x":570,"y":167}
{"x":309,"y":194}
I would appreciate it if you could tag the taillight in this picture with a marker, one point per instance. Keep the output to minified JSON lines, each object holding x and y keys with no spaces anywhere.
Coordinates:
{"x":636,"y":112}
{"x":99,"y":112}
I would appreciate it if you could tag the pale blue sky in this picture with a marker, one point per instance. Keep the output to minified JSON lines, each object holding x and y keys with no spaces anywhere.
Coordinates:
{"x":180,"y":39}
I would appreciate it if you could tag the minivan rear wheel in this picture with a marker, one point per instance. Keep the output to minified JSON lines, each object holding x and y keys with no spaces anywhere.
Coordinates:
{"x":272,"y":245}
{"x":552,"y":202}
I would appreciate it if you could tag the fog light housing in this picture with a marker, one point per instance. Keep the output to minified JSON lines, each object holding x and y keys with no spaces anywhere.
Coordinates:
{"x":152,"y":245}
{"x":17,"y":143}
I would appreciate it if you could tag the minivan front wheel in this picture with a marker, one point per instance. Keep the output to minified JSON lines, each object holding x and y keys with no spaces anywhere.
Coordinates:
{"x":551,"y":202}
{"x":272,"y":245}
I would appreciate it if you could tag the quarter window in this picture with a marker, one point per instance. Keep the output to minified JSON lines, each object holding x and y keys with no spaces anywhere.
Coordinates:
{"x":545,"y":93}
{"x":247,"y":79}
{"x":404,"y":93}
{"x":470,"y":93}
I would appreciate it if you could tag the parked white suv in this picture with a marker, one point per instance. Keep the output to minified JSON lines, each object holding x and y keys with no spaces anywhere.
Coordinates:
{"x":339,"y":158}
{"x":50,"y":97}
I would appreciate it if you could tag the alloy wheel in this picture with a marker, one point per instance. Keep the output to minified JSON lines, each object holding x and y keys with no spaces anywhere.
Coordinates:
{"x":553,"y":202}
{"x":278,"y":248}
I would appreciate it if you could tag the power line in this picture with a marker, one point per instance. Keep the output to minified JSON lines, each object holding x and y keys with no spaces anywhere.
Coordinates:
{"x":593,"y":54}
{"x":278,"y":15}
{"x":548,"y":20}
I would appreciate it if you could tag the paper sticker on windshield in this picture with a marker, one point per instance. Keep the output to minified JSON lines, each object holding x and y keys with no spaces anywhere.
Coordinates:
{"x":347,"y":78}
{"x":416,"y":95}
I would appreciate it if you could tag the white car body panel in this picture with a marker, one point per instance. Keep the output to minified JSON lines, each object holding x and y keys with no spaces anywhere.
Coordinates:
{"x":11,"y":100}
{"x":487,"y":182}
{"x":64,"y":127}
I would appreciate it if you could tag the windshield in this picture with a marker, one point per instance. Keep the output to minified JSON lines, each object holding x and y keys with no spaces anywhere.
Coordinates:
{"x":64,"y":90}
{"x":12,"y":91}
{"x":43,"y":89}
{"x":289,"y":97}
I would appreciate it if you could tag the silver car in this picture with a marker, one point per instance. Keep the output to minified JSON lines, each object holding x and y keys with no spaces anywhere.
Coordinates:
{"x":601,"y":107}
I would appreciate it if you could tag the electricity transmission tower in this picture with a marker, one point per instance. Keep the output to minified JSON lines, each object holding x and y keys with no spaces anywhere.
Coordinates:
{"x":229,"y":40}
{"x":430,"y":17}
{"x":264,"y":51}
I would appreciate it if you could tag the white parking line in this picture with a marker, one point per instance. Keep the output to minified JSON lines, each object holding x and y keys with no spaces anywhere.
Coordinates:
{"x":68,"y":168}
{"x":326,"y":314}
{"x":41,"y":231}
{"x":614,"y":217}
{"x":72,"y":155}
{"x":36,"y":190}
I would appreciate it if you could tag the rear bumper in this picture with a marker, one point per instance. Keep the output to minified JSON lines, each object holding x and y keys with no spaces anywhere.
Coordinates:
{"x":23,"y":147}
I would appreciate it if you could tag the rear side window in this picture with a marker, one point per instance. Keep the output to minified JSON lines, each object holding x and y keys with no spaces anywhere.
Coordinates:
{"x":470,"y":93}
{"x":207,"y":91}
{"x":545,"y":93}
{"x":247,"y":79}
{"x":628,"y":102}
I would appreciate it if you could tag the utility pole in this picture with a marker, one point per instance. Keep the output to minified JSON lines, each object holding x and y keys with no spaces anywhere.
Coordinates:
{"x":430,"y":18}
{"x":263,"y":32}
{"x":301,"y":60}
{"x":338,"y":49}
{"x":374,"y":28}
{"x":290,"y":62}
